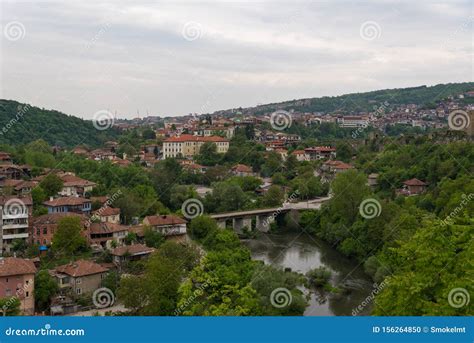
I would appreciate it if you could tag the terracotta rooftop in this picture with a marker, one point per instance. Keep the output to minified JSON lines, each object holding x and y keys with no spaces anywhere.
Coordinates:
{"x":106,"y":227}
{"x":16,"y":199}
{"x":73,"y":180}
{"x":81,"y":268}
{"x":16,"y":266}
{"x":166,"y":219}
{"x":320,"y":149}
{"x":298,"y":152}
{"x":66,"y":201}
{"x":192,"y":138}
{"x":342,"y":165}
{"x":134,"y":249}
{"x":414,"y":182}
{"x":107,"y":211}
{"x":54,"y":218}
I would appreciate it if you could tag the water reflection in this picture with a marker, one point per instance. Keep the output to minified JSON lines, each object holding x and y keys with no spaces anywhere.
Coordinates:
{"x":302,"y":252}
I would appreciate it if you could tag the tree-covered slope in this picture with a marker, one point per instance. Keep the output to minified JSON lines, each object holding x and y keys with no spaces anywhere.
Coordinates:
{"x":356,"y":102}
{"x":21,"y":123}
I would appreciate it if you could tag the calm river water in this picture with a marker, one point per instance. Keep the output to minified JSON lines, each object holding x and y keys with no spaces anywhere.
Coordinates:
{"x":302,"y":252}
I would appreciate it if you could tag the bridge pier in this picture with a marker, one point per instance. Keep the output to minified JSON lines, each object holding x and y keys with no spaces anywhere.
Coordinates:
{"x":239,"y":223}
{"x":263,"y":222}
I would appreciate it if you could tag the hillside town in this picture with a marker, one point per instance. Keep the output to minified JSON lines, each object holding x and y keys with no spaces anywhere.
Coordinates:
{"x":49,"y":208}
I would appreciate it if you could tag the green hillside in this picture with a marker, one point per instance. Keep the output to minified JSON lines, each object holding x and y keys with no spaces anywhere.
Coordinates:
{"x":358,"y":102}
{"x":21,"y":124}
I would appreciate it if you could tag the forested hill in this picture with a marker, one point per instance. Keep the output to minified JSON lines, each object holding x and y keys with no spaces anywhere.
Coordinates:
{"x":359,"y":102}
{"x":21,"y":124}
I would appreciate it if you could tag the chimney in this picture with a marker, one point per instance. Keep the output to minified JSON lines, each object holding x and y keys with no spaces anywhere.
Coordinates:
{"x":51,"y":198}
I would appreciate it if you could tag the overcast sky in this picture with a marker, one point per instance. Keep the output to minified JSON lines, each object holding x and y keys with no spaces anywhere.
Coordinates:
{"x":173,"y":58}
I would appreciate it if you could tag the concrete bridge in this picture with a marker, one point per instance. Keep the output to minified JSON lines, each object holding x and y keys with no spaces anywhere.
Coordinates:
{"x":265,"y":216}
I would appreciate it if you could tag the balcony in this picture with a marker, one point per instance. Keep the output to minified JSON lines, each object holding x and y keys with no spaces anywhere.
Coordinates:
{"x":15,"y":236}
{"x":15,"y":216}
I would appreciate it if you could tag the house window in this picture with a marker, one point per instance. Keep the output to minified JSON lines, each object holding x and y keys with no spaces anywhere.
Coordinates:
{"x":78,"y":291}
{"x":78,"y":281}
{"x":45,"y":231}
{"x":27,"y":294}
{"x":8,"y":292}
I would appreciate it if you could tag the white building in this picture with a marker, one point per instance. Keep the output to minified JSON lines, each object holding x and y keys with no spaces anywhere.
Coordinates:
{"x":14,"y":221}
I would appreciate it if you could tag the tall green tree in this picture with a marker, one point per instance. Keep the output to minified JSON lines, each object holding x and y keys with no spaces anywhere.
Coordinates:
{"x":51,"y":185}
{"x":68,"y":239}
{"x":45,"y":288}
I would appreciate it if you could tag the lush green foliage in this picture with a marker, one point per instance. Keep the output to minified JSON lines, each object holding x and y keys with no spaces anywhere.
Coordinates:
{"x":27,"y":123}
{"x":45,"y":288}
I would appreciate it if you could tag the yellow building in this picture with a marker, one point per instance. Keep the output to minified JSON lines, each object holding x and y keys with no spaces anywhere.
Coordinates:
{"x":189,"y":145}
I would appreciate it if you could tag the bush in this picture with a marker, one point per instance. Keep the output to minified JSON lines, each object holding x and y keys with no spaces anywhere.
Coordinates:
{"x":319,"y":277}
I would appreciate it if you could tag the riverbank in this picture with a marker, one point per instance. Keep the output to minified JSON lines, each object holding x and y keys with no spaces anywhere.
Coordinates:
{"x":302,"y":252}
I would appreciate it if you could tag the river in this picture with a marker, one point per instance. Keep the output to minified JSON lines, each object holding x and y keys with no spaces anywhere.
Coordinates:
{"x":302,"y":252}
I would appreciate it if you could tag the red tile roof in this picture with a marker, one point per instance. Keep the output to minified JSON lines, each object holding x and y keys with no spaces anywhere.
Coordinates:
{"x":81,"y":268}
{"x":414,"y":182}
{"x":298,"y":152}
{"x":192,"y":138}
{"x":10,"y":266}
{"x":167,"y":219}
{"x":27,"y":200}
{"x":106,"y":227}
{"x":54,"y":218}
{"x":321,"y":149}
{"x":107,"y":211}
{"x":73,"y":180}
{"x":66,"y":201}
{"x":134,"y":249}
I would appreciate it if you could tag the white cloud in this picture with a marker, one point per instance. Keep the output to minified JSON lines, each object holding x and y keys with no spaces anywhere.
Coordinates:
{"x":79,"y":57}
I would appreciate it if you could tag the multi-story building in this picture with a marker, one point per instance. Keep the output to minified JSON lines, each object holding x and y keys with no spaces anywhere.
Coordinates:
{"x":82,"y":276}
{"x":17,"y":279}
{"x":189,"y":145}
{"x":167,"y":225}
{"x":75,"y":186}
{"x":105,"y":232}
{"x":353,"y":121}
{"x":46,"y":225}
{"x":14,"y":222}
{"x":69,"y":204}
{"x":320,"y":152}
